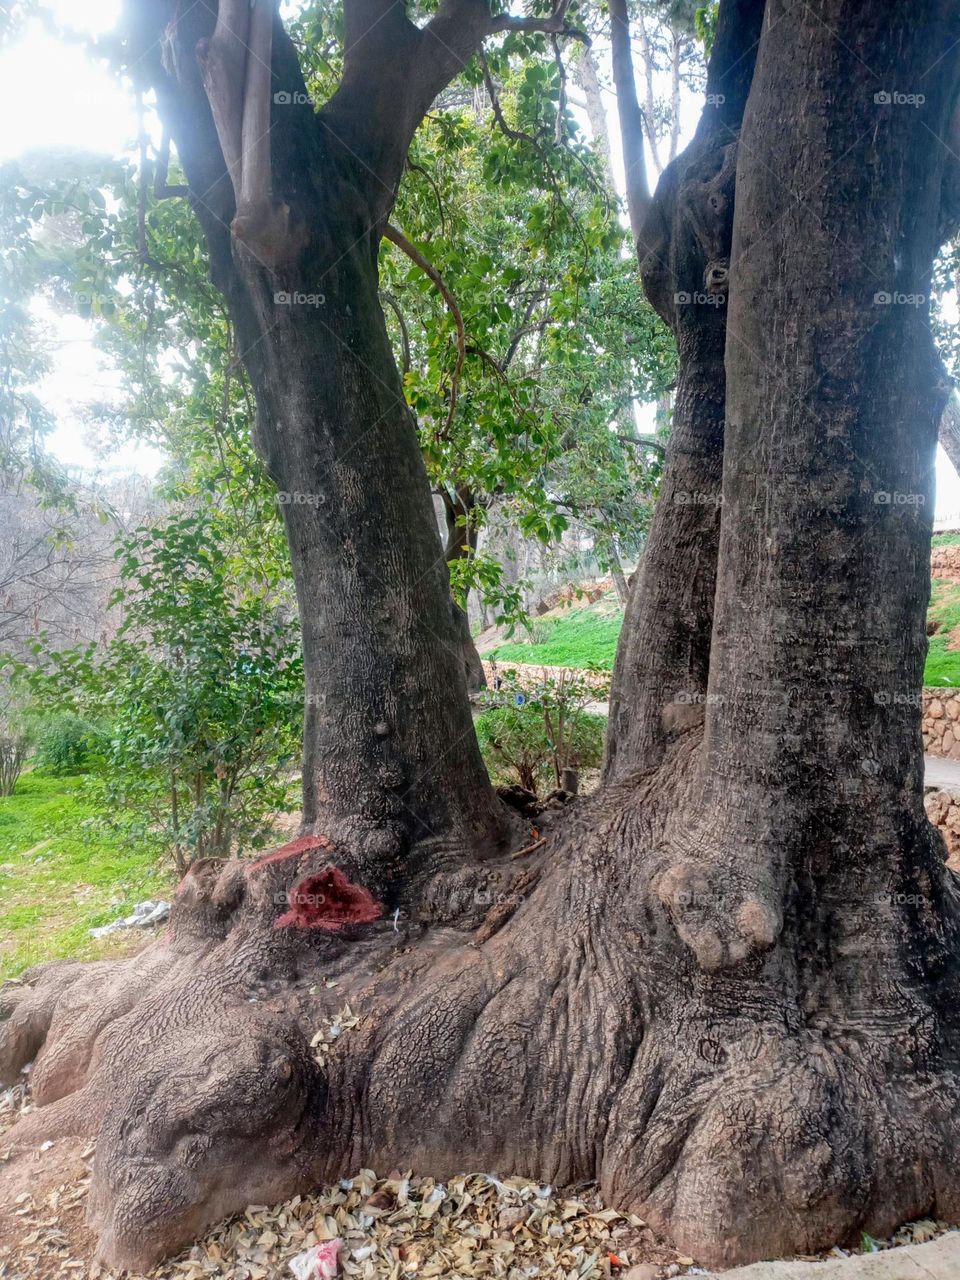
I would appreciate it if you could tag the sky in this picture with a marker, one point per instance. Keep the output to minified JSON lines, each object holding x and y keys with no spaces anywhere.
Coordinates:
{"x":93,"y":111}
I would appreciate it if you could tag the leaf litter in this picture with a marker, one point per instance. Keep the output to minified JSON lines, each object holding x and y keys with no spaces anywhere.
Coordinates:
{"x":401,"y":1227}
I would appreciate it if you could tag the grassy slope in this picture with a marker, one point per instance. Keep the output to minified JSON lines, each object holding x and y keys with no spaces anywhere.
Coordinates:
{"x":578,"y":638}
{"x":61,"y":873}
{"x":587,"y":636}
{"x":943,"y":663}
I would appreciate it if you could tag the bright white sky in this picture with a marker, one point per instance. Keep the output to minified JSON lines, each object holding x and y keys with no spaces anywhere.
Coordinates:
{"x":93,"y":111}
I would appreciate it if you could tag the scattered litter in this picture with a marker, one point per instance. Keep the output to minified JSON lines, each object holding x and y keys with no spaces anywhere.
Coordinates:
{"x":318,"y":1263}
{"x":330,"y":1031}
{"x":145,"y":915}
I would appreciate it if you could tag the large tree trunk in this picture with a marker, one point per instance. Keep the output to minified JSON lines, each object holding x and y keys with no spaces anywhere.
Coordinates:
{"x":391,"y":769}
{"x":382,"y":636}
{"x":660,"y":675}
{"x":727,"y":985}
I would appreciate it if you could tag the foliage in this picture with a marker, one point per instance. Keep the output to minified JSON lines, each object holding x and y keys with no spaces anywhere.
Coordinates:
{"x":65,"y":743}
{"x":66,"y":866}
{"x":530,"y":736}
{"x":534,"y":419}
{"x":705,"y":24}
{"x":202,"y":686}
{"x":580,"y":638}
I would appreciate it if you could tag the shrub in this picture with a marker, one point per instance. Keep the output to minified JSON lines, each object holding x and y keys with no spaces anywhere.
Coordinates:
{"x":199,"y":685}
{"x":531,"y":736}
{"x":66,"y":743}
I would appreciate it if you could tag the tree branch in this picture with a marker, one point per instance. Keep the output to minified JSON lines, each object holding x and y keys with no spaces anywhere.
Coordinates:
{"x":387,"y":297}
{"x":222,"y":61}
{"x":161,"y":189}
{"x":396,"y":236}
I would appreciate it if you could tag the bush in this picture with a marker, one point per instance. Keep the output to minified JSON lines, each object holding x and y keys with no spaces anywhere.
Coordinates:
{"x":198,"y":685}
{"x":66,"y":743}
{"x":13,"y":754}
{"x":530,"y":736}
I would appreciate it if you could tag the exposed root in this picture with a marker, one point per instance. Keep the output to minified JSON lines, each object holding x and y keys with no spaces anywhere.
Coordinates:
{"x":745,"y":1108}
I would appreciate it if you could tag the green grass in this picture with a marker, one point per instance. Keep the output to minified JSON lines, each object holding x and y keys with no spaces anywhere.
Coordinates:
{"x":587,"y":636}
{"x":945,"y":539}
{"x":63,"y":871}
{"x":943,"y":663}
{"x":578,"y":638}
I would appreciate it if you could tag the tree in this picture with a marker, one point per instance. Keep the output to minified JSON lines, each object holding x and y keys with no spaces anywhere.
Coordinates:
{"x":730,"y":990}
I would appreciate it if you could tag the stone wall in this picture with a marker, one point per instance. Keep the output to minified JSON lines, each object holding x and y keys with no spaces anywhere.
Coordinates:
{"x":943,"y":810}
{"x":941,"y":721}
{"x":945,"y":562}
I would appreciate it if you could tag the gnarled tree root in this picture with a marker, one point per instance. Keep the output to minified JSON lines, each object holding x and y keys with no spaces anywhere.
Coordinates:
{"x":748,"y":1111}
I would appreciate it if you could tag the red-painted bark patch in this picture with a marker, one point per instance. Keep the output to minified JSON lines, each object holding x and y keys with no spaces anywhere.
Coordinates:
{"x":302,"y":844}
{"x":328,"y":900}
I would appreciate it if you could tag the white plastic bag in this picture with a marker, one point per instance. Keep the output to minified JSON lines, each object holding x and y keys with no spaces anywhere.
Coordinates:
{"x":318,"y":1263}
